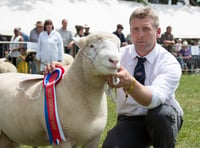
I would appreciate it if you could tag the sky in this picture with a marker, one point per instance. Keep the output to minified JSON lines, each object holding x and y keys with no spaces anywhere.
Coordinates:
{"x":100,"y":15}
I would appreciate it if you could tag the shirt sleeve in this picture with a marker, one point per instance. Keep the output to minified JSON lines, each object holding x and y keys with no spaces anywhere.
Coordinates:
{"x":166,"y":82}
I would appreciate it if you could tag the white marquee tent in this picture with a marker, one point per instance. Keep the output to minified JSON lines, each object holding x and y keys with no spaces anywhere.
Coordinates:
{"x":100,"y":15}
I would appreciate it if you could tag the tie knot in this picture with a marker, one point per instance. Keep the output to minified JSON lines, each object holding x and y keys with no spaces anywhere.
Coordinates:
{"x":141,"y":60}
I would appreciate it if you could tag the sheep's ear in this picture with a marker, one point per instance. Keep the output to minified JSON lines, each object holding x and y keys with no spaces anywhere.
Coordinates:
{"x":80,"y":42}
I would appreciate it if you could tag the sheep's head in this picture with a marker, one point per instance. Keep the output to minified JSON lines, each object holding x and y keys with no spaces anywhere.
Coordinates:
{"x":103,"y":50}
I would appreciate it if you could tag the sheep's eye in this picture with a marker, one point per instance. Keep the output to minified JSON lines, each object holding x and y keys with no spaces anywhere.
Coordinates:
{"x":91,"y":46}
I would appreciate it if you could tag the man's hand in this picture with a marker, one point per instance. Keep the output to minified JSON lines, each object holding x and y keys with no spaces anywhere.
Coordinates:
{"x":50,"y":67}
{"x":123,"y":75}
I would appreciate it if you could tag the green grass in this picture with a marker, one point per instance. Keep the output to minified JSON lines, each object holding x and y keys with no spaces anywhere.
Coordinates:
{"x":188,"y":94}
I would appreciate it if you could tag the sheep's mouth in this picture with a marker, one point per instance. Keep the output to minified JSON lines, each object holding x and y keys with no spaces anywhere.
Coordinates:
{"x":111,"y":69}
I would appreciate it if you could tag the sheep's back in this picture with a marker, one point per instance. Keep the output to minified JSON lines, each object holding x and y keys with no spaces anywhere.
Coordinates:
{"x":19,"y":113}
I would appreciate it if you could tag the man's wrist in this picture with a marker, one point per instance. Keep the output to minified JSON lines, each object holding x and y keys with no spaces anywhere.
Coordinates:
{"x":131,"y":87}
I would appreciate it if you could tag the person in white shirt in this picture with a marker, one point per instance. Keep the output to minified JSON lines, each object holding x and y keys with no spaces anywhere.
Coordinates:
{"x":49,"y":46}
{"x":148,"y":114}
{"x":15,"y":46}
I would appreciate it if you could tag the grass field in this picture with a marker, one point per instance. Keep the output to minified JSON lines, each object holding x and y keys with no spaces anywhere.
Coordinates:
{"x":188,"y":94}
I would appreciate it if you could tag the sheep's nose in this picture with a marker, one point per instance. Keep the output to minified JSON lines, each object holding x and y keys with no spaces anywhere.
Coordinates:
{"x":115,"y":62}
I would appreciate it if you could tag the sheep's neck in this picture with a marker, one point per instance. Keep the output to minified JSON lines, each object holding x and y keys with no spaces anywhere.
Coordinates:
{"x":86,"y":86}
{"x":82,"y":74}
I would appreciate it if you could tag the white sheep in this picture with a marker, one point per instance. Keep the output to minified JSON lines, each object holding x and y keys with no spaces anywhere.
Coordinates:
{"x":67,"y":59}
{"x":81,"y":100}
{"x":7,"y":67}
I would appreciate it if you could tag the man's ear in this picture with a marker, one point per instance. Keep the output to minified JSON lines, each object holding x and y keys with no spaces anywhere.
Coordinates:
{"x":158,"y":32}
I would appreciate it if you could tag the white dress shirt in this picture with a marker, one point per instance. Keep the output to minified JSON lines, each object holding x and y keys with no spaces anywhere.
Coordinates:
{"x":163,"y":73}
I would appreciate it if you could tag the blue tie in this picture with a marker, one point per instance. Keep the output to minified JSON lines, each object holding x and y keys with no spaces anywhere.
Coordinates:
{"x":139,"y":72}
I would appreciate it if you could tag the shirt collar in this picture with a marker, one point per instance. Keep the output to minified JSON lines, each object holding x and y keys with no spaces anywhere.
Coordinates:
{"x":153,"y":54}
{"x":150,"y":56}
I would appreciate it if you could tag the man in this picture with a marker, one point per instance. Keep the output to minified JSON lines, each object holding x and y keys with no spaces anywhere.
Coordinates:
{"x":148,"y":113}
{"x":25,"y":38}
{"x":167,"y":39}
{"x":15,"y":46}
{"x":66,"y":36}
{"x":35,"y":32}
{"x":186,"y":56}
{"x":87,"y":30}
{"x":34,"y":36}
{"x":120,"y":35}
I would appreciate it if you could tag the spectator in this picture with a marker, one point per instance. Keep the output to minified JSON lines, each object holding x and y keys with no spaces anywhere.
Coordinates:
{"x":176,"y":53}
{"x":15,"y":46}
{"x":50,"y":45}
{"x":167,"y":39}
{"x":195,"y":52}
{"x":128,"y":39}
{"x":185,"y":53}
{"x":79,"y":34}
{"x":24,"y":35}
{"x":32,"y":66}
{"x":22,"y":65}
{"x":148,"y":113}
{"x":66,"y":35}
{"x":25,"y":38}
{"x":34,"y":34}
{"x":79,"y":31}
{"x":87,"y":30}
{"x":178,"y":45}
{"x":120,"y":34}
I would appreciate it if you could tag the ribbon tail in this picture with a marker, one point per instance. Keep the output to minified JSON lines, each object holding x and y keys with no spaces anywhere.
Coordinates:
{"x":53,"y":124}
{"x":47,"y":119}
{"x":58,"y":119}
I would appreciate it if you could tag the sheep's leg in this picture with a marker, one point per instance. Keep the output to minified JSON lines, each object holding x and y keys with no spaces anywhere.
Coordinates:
{"x":92,"y":144}
{"x":6,"y":142}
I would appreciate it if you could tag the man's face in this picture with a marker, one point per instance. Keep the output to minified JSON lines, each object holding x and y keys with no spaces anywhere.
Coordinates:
{"x":143,"y":34}
{"x":169,"y":30}
{"x":64,"y":24}
{"x":40,"y":28}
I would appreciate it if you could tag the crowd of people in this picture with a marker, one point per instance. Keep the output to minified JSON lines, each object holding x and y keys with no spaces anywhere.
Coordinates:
{"x":187,"y":54}
{"x":181,"y":49}
{"x":51,"y":44}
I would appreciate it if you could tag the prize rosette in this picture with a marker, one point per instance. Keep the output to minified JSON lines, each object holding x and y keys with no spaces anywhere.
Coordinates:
{"x":53,"y":125}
